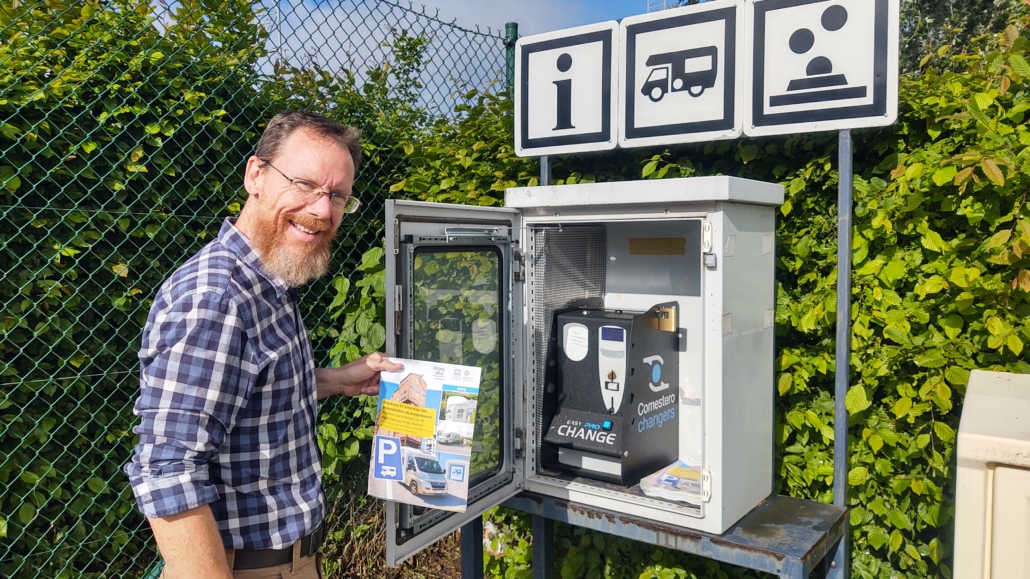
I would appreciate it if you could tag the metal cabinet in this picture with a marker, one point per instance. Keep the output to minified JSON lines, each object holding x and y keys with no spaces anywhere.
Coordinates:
{"x":992,"y":502}
{"x":485,"y":286}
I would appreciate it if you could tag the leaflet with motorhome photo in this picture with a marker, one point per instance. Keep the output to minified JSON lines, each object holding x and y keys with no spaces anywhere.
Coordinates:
{"x":422,"y":446}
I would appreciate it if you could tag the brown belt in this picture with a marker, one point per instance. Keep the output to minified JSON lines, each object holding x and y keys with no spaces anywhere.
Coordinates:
{"x":262,"y":558}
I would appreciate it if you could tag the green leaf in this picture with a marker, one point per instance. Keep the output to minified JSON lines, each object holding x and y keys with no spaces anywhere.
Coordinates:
{"x":1019,"y":64}
{"x":1014,"y":344}
{"x":97,"y":485}
{"x":26,"y":513}
{"x":875,"y":442}
{"x":856,"y":400}
{"x":893,"y":271}
{"x":857,"y":513}
{"x":3,"y":528}
{"x":944,"y":175}
{"x":783,"y":383}
{"x":963,"y":276}
{"x":999,"y":238}
{"x":993,"y":172}
{"x":914,"y":171}
{"x":957,"y":375}
{"x":933,"y":241}
{"x":996,"y":326}
{"x":748,"y":153}
{"x":649,"y":168}
{"x":900,"y":520}
{"x":857,"y":476}
{"x":934,"y":548}
{"x":943,"y":431}
{"x":953,"y":325}
{"x":983,"y":100}
{"x":877,"y":537}
{"x":896,"y":540}
{"x":922,"y":440}
{"x":931,"y":359}
{"x":902,"y":406}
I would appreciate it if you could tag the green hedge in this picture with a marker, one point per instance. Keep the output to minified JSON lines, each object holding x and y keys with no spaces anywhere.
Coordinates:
{"x":123,"y":133}
{"x":941,"y":281}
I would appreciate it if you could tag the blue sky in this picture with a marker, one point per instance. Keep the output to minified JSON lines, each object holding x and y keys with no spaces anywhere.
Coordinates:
{"x":533,"y":16}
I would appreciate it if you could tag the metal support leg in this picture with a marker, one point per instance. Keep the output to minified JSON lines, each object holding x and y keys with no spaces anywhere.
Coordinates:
{"x":836,"y":559}
{"x":838,"y":566}
{"x":543,"y":547}
{"x":472,"y":549}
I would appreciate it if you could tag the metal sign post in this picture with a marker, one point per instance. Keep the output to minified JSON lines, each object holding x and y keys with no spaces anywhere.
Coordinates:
{"x":838,"y":567}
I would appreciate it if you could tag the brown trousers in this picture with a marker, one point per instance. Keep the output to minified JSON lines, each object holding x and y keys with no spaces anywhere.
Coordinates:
{"x":300,"y":568}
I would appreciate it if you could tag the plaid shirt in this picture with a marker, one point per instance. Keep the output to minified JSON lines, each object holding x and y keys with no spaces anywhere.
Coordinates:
{"x":227,"y":401}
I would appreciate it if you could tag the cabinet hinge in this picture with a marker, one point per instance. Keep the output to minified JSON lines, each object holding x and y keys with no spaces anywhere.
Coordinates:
{"x":520,"y":443}
{"x":706,"y":244}
{"x":396,"y":236}
{"x":397,"y":301}
{"x":519,"y":266}
{"x":706,"y":485}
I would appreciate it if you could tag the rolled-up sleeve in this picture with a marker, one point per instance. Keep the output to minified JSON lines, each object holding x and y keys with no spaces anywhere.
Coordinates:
{"x":191,"y":392}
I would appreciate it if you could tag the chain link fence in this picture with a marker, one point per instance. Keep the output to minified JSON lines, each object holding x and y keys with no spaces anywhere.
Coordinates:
{"x":124,"y":127}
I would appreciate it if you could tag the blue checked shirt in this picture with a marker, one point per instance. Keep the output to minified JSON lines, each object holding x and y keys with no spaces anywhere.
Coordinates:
{"x":227,"y":401}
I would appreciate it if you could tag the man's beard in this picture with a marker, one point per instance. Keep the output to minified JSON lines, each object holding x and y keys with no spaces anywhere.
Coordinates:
{"x":285,"y":262}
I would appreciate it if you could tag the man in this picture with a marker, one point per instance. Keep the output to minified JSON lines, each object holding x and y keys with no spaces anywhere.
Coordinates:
{"x":227,"y":469}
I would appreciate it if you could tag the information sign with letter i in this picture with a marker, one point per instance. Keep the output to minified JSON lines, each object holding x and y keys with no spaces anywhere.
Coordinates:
{"x":566,"y":94}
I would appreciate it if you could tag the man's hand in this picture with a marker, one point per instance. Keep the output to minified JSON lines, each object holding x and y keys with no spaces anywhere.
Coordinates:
{"x":359,"y":377}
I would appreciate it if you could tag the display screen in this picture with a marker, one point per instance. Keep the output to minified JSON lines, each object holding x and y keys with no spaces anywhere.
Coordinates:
{"x":613,"y":334}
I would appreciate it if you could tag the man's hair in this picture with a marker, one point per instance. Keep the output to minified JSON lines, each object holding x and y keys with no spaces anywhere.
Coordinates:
{"x":285,"y":123}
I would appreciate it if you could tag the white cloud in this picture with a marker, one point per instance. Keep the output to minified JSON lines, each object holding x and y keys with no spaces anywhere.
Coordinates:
{"x":533,"y":16}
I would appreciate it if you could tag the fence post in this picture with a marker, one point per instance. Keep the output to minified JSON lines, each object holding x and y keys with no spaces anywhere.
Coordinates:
{"x":472,"y":549}
{"x":511,"y":34}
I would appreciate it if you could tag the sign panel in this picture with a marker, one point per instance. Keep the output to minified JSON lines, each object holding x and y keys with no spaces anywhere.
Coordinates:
{"x":387,"y":465}
{"x":817,"y":65}
{"x":681,"y":81}
{"x":566,"y":91}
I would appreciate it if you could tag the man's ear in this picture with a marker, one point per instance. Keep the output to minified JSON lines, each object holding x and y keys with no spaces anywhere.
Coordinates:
{"x":252,"y":176}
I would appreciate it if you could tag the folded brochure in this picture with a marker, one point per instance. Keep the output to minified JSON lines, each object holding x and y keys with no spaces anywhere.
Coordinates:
{"x":680,"y":481}
{"x":425,"y":422}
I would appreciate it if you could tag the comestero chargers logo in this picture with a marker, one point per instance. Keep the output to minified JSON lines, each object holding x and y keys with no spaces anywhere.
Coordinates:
{"x":656,"y":384}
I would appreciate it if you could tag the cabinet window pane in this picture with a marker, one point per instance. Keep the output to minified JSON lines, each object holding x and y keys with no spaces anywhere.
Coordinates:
{"x":457,"y":319}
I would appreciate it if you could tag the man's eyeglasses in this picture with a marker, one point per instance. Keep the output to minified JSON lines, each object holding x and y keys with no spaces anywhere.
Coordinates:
{"x":311,"y":193}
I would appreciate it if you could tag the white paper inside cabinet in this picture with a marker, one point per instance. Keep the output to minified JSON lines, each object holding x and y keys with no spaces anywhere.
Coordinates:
{"x":438,"y":254}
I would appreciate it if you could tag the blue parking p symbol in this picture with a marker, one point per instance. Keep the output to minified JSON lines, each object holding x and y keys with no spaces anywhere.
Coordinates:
{"x":388,"y":459}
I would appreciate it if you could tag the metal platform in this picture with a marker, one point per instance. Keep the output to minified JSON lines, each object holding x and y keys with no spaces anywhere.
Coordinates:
{"x":785,"y":536}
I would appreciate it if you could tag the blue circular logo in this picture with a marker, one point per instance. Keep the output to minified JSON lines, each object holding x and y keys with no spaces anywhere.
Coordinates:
{"x":656,"y":373}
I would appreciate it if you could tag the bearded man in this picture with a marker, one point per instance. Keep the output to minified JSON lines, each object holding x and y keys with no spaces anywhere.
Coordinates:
{"x":227,"y":469}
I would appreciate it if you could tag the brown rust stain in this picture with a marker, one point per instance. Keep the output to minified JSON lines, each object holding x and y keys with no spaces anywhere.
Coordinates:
{"x":592,"y":513}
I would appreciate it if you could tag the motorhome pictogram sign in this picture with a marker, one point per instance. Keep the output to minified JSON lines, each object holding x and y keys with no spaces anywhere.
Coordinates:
{"x":680,"y":77}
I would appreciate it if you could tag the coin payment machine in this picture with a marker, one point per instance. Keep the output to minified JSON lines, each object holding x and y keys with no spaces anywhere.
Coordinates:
{"x":621,"y":328}
{"x":609,"y":364}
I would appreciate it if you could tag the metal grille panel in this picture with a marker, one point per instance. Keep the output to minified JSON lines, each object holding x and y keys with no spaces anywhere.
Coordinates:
{"x":568,"y":266}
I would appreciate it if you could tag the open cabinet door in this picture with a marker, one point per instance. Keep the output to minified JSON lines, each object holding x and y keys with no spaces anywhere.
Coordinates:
{"x":454,"y":295}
